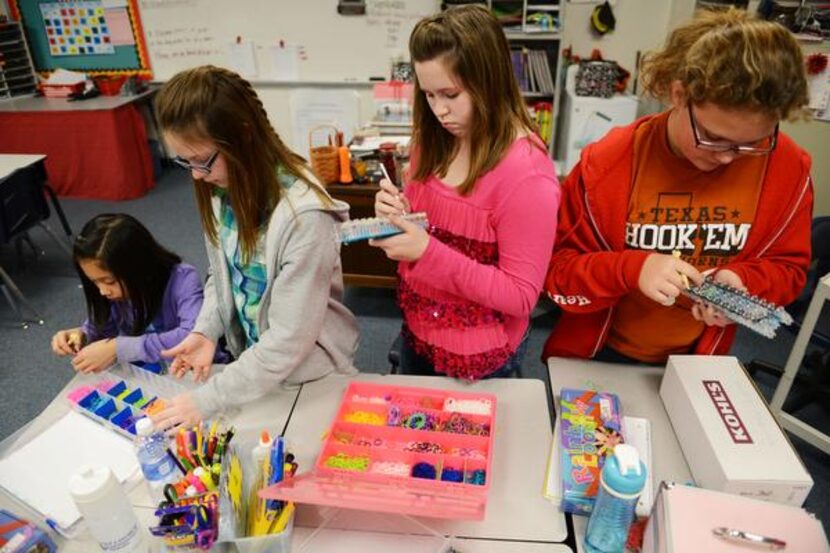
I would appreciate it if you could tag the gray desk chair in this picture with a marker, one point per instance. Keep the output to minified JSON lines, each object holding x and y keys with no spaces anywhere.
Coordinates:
{"x":23,"y":206}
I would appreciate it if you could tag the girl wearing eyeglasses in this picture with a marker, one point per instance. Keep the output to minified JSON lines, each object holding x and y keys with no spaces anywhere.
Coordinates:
{"x":141,"y":299}
{"x":275,"y":289}
{"x":711,"y":178}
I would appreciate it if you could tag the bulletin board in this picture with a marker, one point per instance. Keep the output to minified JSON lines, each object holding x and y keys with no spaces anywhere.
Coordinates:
{"x":98,"y":37}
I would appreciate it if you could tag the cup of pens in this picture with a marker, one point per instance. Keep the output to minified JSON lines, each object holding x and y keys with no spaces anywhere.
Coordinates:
{"x":215,"y":506}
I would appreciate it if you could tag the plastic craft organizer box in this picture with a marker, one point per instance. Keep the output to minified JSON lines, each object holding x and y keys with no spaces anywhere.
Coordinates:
{"x":385,"y":440}
{"x":113,"y":404}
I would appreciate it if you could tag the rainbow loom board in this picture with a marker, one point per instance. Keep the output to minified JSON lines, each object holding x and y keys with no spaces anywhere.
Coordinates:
{"x":114,"y":405}
{"x":374,"y":227}
{"x":590,"y":424}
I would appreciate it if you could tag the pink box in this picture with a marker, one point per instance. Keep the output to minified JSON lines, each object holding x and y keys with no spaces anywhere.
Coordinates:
{"x":382,"y":435}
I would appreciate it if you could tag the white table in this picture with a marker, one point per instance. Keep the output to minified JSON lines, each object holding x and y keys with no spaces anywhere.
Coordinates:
{"x":271,"y":412}
{"x":39,"y":103}
{"x":638,"y":387}
{"x":516,"y":508}
{"x":798,"y":427}
{"x":9,"y":163}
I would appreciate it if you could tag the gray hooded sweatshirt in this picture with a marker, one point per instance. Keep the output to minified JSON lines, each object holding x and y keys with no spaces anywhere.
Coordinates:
{"x":305,"y":331}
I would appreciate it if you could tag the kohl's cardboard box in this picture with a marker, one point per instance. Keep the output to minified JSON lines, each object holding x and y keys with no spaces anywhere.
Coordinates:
{"x":729,"y":437}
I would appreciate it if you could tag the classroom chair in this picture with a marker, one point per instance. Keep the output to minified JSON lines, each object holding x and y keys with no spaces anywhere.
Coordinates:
{"x":23,"y":206}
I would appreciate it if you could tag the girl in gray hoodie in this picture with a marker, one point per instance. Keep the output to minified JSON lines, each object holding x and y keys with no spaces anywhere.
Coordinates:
{"x":275,"y":288}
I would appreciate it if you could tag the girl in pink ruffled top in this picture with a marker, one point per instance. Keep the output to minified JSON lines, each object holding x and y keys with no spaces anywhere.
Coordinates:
{"x":478,"y":169}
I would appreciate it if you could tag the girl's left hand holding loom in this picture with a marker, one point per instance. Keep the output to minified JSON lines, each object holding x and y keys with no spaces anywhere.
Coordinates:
{"x":95,"y":357}
{"x":408,"y":246}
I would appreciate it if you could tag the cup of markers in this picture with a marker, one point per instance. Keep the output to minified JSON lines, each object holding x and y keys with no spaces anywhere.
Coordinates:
{"x":189,"y":514}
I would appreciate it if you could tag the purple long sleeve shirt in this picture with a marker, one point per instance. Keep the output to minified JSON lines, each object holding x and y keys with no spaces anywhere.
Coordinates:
{"x":175,"y":319}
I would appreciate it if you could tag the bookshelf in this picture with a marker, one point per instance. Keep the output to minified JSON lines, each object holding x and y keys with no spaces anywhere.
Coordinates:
{"x":17,"y":75}
{"x":534,"y":30}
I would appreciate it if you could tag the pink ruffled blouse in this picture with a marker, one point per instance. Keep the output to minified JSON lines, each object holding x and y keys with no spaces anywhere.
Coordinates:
{"x":466,"y":303}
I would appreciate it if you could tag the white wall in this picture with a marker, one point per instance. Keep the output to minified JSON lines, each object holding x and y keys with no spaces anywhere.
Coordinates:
{"x":641,"y":25}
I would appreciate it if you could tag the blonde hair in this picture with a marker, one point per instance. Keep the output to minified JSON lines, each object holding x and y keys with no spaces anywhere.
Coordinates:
{"x":471,"y":44}
{"x":734,"y":60}
{"x":215,"y":104}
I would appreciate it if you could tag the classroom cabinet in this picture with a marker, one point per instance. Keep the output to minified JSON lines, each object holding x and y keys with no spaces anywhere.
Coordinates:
{"x":17,"y":75}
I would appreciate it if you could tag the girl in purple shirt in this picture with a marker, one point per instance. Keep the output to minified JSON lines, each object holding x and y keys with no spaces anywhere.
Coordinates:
{"x":141,"y":298}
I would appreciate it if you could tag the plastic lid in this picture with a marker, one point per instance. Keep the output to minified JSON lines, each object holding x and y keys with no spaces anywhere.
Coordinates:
{"x":91,"y":482}
{"x":623,"y":472}
{"x":144,"y":427}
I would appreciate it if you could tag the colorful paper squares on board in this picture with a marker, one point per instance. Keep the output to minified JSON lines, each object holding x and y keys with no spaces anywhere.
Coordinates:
{"x":79,"y":21}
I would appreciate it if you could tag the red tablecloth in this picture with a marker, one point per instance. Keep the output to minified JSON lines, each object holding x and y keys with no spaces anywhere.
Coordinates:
{"x":100,"y":154}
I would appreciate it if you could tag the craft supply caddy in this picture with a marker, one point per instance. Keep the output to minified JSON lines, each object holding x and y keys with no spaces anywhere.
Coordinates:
{"x":404,"y":450}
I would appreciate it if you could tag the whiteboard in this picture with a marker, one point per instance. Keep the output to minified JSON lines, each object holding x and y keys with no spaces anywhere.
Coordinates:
{"x":323,"y":46}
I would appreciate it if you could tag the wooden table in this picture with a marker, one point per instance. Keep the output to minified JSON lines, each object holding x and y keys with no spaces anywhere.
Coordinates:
{"x":363,"y":265}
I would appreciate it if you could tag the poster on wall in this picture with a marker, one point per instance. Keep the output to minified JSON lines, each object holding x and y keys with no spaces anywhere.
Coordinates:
{"x":76,"y":28}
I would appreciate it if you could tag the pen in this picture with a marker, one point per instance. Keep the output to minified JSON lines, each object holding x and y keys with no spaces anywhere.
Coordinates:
{"x":176,"y":461}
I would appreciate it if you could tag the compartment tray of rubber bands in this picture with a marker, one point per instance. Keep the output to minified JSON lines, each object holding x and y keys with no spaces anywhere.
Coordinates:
{"x":419,"y":451}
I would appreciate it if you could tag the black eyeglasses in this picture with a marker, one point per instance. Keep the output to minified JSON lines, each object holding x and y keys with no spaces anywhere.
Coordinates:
{"x":200,"y":167}
{"x":759,"y":148}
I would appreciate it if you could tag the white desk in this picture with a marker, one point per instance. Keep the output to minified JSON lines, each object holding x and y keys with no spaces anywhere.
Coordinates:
{"x":272,"y":412}
{"x":516,"y":509}
{"x":638,"y":388}
{"x":39,"y":103}
{"x":9,"y":163}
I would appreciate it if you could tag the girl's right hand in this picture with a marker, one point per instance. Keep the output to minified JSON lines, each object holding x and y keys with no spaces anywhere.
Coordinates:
{"x":193,"y":353}
{"x":68,"y":342}
{"x":390,"y":200}
{"x":661,"y":278}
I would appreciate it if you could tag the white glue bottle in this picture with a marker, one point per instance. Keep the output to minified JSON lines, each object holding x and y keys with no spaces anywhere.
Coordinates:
{"x":107,"y":511}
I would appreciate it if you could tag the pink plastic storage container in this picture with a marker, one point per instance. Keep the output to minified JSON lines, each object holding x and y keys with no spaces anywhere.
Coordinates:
{"x":409,"y":450}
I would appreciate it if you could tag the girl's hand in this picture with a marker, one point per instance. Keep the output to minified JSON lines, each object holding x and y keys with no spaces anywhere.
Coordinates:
{"x":409,"y":246}
{"x":661,"y":280}
{"x":193,"y":353}
{"x":710,"y":315}
{"x":180,"y":411}
{"x":95,"y":357}
{"x":68,"y":342}
{"x":390,"y":201}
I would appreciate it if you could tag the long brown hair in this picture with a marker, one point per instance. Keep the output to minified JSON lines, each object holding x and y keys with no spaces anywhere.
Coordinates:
{"x":215,"y":104}
{"x":472,"y":45}
{"x":734,"y":60}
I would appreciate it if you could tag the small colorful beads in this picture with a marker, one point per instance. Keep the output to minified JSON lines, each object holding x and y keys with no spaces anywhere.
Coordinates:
{"x":452,"y":475}
{"x":391,"y":468}
{"x":477,"y":477}
{"x":424,"y":447}
{"x":469,"y":452}
{"x":424,"y":470}
{"x":376,"y":400}
{"x":365,"y":417}
{"x":358,"y":463}
{"x":458,"y":424}
{"x":393,"y":418}
{"x":468,"y":406}
{"x":420,"y":420}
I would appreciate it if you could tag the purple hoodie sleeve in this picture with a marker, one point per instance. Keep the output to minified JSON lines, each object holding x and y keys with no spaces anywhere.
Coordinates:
{"x":181,"y":304}
{"x":110,"y":330}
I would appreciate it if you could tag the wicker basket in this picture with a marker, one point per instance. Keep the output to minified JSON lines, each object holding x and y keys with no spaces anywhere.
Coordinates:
{"x":324,"y":159}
